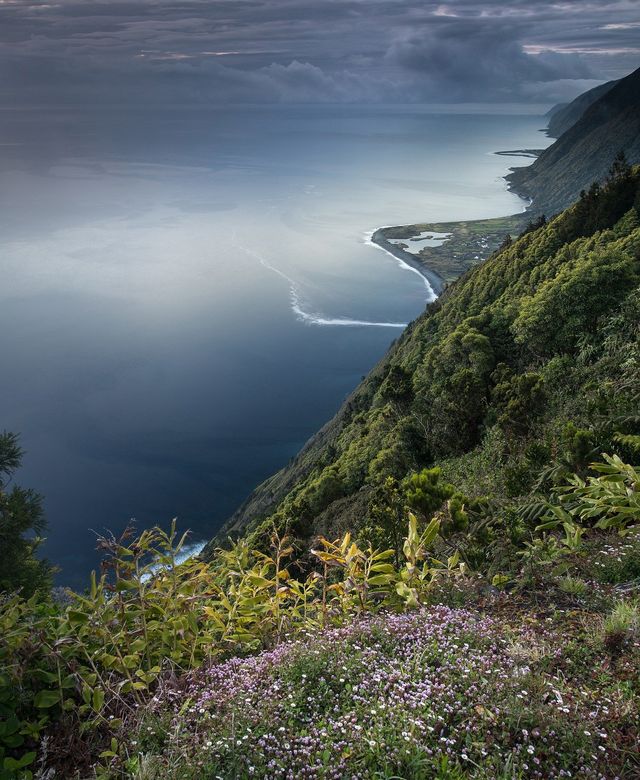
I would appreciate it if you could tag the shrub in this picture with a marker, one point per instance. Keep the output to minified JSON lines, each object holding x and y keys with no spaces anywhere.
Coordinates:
{"x":573,"y":586}
{"x":22,"y":523}
{"x":621,"y":626}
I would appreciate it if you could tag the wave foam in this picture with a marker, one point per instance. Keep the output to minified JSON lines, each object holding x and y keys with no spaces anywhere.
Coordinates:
{"x":368,"y":240}
{"x":189,"y":551}
{"x":296,"y":304}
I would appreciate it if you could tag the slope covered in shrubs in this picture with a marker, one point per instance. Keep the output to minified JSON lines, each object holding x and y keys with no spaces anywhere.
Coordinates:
{"x":527,"y":365}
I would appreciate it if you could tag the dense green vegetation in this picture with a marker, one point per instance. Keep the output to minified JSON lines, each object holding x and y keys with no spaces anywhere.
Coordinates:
{"x":526,"y":366}
{"x":583,"y":153}
{"x":359,"y":675}
{"x":21,"y":523}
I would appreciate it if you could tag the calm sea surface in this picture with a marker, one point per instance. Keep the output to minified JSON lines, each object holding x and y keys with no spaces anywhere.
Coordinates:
{"x":187,"y":296}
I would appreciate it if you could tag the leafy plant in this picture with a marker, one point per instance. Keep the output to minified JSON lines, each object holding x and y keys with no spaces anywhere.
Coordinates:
{"x":146,"y":618}
{"x":26,"y":675}
{"x":421,"y":571}
{"x":621,"y":625}
{"x":366,"y":576}
{"x":609,"y":501}
{"x":573,"y":586}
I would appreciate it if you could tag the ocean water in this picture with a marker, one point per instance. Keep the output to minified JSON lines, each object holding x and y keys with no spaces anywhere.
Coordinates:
{"x":187,"y":296}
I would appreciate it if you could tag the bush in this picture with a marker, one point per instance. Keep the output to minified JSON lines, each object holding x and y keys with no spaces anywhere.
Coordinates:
{"x":621,"y":626}
{"x":21,"y":525}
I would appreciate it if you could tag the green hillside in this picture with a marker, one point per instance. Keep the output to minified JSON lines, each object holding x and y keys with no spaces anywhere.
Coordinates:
{"x":526,"y":366}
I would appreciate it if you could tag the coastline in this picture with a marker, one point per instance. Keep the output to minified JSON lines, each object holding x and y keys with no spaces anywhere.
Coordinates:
{"x":434,"y":281}
{"x":532,"y":153}
{"x":470,"y":242}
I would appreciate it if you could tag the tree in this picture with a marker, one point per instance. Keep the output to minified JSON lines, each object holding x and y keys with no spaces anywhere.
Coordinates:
{"x":429,"y":496}
{"x":568,"y":307}
{"x":451,"y":388}
{"x":620,"y":168}
{"x":21,"y":525}
{"x":518,"y":400}
{"x":536,"y":224}
{"x":387,"y":520}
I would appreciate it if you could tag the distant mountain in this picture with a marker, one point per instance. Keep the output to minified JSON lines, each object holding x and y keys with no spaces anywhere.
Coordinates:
{"x":584,"y":153}
{"x":554,"y":109}
{"x":565,"y":115}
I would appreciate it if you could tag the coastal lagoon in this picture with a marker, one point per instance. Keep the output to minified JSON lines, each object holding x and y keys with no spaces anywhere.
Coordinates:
{"x":188,"y":295}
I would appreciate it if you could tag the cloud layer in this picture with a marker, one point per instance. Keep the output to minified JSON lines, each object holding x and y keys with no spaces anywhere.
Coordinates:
{"x":220,"y":51}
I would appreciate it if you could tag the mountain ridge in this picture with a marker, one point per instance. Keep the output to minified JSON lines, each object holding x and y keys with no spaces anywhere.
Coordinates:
{"x":266,"y":499}
{"x":563,"y":116}
{"x":584,"y":153}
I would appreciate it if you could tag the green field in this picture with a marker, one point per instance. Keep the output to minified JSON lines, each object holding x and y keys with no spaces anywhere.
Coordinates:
{"x":470,"y":242}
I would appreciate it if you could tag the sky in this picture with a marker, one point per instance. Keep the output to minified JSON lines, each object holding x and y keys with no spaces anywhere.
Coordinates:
{"x":165,"y":52}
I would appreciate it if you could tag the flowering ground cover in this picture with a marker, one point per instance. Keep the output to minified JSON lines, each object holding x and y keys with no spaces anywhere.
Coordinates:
{"x":437,"y":693}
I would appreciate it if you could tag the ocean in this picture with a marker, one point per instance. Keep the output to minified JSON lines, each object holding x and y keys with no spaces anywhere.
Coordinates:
{"x":188,"y":294}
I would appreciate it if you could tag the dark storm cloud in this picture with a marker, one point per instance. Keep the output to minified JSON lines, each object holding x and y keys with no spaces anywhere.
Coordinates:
{"x":311,"y":50}
{"x":484,"y":56}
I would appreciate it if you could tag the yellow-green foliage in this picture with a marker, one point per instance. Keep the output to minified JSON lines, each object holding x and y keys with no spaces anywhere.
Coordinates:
{"x":611,"y":500}
{"x":101,"y":657}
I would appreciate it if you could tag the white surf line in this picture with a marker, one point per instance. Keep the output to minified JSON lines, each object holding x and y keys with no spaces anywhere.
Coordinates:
{"x":296,"y":306}
{"x":368,"y":240}
{"x":189,"y":551}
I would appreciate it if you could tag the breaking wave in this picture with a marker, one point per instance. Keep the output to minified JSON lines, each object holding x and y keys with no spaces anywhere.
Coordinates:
{"x":312,"y":318}
{"x":368,"y":240}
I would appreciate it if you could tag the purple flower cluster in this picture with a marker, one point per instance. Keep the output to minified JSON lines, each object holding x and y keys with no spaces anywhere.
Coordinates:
{"x":391,"y":694}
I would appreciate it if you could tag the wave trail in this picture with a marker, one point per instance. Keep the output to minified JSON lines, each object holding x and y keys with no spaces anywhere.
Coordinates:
{"x":311,"y":318}
{"x":368,"y":240}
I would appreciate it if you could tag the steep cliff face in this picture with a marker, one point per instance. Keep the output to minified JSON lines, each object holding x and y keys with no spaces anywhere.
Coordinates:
{"x":486,"y":380}
{"x":564,"y":117}
{"x":583,"y":154}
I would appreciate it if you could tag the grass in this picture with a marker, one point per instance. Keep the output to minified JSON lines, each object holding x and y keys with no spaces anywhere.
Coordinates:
{"x":621,"y":626}
{"x":618,"y":562}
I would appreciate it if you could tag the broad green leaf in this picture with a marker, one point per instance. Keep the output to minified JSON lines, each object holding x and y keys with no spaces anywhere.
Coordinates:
{"x":14,"y":764}
{"x":46,"y":699}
